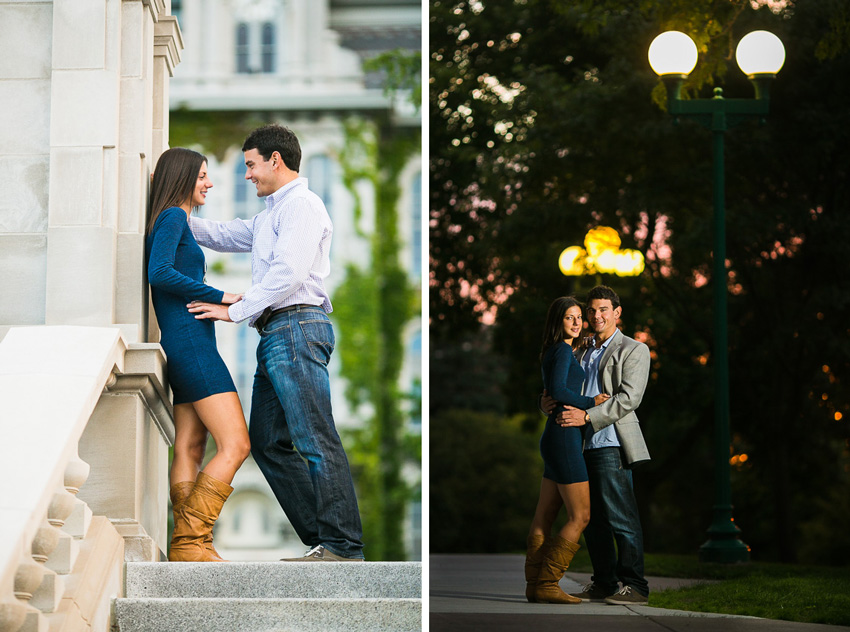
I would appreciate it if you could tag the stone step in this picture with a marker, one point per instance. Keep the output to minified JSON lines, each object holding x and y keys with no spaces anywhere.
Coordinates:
{"x":262,"y":615}
{"x":274,"y":580}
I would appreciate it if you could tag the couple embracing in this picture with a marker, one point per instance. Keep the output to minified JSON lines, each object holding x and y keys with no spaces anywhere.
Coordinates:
{"x":292,"y":433}
{"x":591,"y":441}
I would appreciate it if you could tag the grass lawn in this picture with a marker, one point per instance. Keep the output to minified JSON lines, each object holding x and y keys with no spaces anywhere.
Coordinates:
{"x":789,"y":592}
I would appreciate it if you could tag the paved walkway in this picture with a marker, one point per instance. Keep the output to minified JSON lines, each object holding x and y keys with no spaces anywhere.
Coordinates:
{"x":487,"y":593}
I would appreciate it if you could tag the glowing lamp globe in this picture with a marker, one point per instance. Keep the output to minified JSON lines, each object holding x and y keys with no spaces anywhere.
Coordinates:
{"x":570,"y":261}
{"x":600,"y":239}
{"x":760,"y":53}
{"x":673,"y":53}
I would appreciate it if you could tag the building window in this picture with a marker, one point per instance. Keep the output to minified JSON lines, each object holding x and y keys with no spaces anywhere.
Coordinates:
{"x":177,"y":12}
{"x":256,"y":48}
{"x":267,"y":51}
{"x":244,"y":193}
{"x":416,"y":529}
{"x":319,"y":173}
{"x":416,"y":232}
{"x":243,"y":50}
{"x":414,"y":357}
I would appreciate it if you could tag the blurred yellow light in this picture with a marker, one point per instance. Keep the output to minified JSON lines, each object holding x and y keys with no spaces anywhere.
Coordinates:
{"x":601,"y":254}
{"x":605,"y":261}
{"x":600,"y":239}
{"x":743,"y":458}
{"x":629,"y":263}
{"x":570,"y":261}
{"x":825,"y":368}
{"x":838,"y":416}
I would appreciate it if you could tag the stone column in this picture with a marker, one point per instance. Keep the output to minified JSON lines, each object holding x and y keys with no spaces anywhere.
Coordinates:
{"x":135,"y":156}
{"x":83,"y":193}
{"x":24,"y":160}
{"x":83,"y":117}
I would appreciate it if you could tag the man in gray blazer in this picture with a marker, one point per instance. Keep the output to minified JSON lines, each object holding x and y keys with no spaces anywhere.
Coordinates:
{"x":619,"y":366}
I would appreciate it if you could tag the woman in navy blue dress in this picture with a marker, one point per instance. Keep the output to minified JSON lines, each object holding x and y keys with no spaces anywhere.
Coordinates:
{"x":205,"y":399}
{"x":564,"y":472}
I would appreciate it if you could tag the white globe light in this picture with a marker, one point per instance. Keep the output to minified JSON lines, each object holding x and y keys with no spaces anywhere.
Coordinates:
{"x":760,"y":52}
{"x":673,"y":53}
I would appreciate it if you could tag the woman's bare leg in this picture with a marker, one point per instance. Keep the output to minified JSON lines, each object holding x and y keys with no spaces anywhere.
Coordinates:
{"x":576,"y":497}
{"x":190,"y":444}
{"x":222,"y":415}
{"x":548,"y":506}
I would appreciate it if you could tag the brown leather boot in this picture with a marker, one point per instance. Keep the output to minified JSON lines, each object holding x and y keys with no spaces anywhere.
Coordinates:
{"x":195,"y":520}
{"x":179,"y":493}
{"x":533,"y":557}
{"x":559,"y":553}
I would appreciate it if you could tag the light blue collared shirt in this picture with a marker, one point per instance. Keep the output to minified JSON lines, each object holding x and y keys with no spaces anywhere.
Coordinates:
{"x":289,"y":243}
{"x":607,"y":437}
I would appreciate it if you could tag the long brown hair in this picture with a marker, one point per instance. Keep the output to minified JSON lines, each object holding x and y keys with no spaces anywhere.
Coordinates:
{"x":553,"y":332}
{"x":173,"y":181}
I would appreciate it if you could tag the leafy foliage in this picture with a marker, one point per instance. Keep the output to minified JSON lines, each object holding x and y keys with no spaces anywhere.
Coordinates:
{"x":402,"y":71}
{"x":215,"y":132}
{"x":374,"y":306}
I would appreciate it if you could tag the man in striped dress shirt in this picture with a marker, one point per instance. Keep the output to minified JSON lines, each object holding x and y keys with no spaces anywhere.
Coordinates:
{"x":293,"y":436}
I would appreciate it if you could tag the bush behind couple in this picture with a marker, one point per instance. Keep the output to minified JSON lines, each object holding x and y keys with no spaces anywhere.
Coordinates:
{"x":292,"y":433}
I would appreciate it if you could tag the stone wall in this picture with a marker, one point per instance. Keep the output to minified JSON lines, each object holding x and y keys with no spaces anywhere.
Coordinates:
{"x":83,"y":117}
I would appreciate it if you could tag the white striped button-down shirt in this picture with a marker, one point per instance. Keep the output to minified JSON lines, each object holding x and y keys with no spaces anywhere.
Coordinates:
{"x":289,"y":242}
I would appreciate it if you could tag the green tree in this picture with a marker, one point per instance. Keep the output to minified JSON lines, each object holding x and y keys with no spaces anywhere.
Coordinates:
{"x":374,"y":306}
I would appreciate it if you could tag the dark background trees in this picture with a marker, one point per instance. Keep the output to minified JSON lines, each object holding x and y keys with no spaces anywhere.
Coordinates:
{"x":546,"y":120}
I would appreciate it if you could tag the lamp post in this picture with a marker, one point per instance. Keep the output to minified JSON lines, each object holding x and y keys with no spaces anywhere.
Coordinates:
{"x":760,"y":55}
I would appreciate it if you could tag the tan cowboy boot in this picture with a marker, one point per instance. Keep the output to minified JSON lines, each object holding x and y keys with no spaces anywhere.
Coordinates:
{"x":533,"y":557}
{"x":555,"y":562}
{"x":179,"y":493}
{"x":195,"y":520}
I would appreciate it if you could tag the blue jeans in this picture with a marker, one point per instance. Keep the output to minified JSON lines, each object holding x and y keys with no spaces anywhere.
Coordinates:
{"x":613,"y":517}
{"x":293,"y":437}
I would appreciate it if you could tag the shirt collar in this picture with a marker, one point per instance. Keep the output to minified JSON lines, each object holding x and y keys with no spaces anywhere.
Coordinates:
{"x":608,"y":341}
{"x":278,"y":195}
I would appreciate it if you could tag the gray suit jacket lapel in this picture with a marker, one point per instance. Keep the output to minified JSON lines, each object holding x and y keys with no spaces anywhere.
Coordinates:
{"x":612,"y":347}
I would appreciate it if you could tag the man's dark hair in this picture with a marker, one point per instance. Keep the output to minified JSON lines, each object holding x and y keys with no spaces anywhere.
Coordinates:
{"x":275,"y":138}
{"x":604,"y":292}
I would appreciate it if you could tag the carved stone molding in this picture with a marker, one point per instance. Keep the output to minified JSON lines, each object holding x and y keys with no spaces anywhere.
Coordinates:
{"x":168,"y":42}
{"x":144,"y":377}
{"x":155,"y":7}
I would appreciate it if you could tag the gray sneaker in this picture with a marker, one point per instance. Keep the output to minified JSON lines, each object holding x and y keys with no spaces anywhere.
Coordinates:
{"x":321,"y":554}
{"x":627,"y":596}
{"x":591,"y":592}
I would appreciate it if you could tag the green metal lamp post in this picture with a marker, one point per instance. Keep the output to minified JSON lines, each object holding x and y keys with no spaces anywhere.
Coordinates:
{"x":760,"y":55}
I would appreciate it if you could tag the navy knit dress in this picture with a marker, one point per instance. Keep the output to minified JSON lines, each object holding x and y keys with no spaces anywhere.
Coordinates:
{"x":561,"y":447}
{"x":176,"y":275}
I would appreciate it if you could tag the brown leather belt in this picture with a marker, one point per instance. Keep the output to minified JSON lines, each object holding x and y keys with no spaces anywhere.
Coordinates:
{"x":269,"y":313}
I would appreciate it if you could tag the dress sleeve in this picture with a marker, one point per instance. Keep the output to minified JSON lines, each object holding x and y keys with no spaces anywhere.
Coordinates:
{"x":562,"y":361}
{"x":161,"y":271}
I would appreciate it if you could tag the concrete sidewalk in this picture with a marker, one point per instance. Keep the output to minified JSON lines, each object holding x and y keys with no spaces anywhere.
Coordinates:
{"x":487,"y":592}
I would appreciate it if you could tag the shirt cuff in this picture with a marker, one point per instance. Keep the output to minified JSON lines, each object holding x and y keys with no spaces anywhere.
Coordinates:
{"x":236,"y":312}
